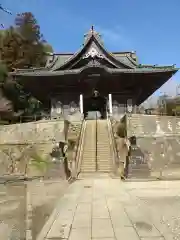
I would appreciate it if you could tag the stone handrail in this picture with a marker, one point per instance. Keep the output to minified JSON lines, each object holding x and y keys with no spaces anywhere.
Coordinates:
{"x":115,"y":159}
{"x":76,"y":164}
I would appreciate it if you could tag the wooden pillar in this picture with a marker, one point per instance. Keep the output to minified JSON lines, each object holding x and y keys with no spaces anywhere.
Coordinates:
{"x":110,"y":104}
{"x":81,"y":103}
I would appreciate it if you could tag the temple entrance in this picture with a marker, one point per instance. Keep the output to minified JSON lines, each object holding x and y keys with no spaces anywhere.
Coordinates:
{"x":94,"y":106}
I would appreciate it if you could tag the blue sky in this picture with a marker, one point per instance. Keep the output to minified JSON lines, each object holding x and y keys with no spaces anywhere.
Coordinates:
{"x":151,"y":28}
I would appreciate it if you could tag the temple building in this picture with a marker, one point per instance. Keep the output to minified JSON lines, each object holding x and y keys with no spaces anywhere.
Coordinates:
{"x":65,"y":85}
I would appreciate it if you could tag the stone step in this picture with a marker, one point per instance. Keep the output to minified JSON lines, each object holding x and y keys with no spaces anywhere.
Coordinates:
{"x":87,"y":153}
{"x":86,"y":160}
{"x":103,"y":144}
{"x":102,"y":136}
{"x":89,"y":144}
{"x":94,"y":175}
{"x":103,"y":147}
{"x":88,"y":164}
{"x":91,"y":147}
{"x":88,"y":168}
{"x":100,"y":151}
{"x":103,"y":164}
{"x":104,"y":168}
{"x":103,"y":157}
{"x":105,"y":160}
{"x":84,"y":171}
{"x":104,"y":152}
{"x":92,"y":153}
{"x":85,"y":149}
{"x":91,"y":157}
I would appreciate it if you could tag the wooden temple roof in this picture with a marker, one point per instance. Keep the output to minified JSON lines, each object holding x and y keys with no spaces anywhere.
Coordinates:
{"x":44,"y":72}
{"x":92,"y":57}
{"x":92,"y":54}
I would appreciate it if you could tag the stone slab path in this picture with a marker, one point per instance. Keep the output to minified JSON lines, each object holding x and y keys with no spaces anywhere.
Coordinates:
{"x":108,"y":209}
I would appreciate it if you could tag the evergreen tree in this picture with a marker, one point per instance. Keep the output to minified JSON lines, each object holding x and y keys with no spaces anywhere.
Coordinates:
{"x":33,"y":48}
{"x":12,"y":49}
{"x":6,"y":107}
{"x":22,"y":46}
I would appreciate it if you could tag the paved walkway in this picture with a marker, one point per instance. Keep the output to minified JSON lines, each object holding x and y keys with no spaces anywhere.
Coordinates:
{"x":108,"y":209}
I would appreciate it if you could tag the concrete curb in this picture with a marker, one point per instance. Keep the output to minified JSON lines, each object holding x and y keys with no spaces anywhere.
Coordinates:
{"x":47,"y":226}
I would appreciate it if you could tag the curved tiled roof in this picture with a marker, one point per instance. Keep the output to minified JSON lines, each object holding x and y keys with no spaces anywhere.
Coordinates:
{"x":63,"y":61}
{"x":126,"y":60}
{"x":109,"y":70}
{"x":121,"y":62}
{"x":60,"y":58}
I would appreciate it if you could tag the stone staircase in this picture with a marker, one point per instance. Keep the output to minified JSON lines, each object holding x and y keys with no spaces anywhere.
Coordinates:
{"x":96,"y":155}
{"x":103,"y":147}
{"x":88,"y":162}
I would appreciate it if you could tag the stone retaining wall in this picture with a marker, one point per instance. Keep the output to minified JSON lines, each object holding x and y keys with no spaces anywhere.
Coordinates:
{"x":33,"y":132}
{"x":156,"y":154}
{"x":19,"y":143}
{"x":149,"y":125}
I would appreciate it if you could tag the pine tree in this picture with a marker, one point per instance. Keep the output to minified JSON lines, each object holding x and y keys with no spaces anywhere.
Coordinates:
{"x":22,"y":46}
{"x":33,"y":48}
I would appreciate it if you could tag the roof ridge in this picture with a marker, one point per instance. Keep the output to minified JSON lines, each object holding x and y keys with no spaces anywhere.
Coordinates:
{"x":110,"y":70}
{"x":132,"y":60}
{"x":156,"y":66}
{"x":93,"y":37}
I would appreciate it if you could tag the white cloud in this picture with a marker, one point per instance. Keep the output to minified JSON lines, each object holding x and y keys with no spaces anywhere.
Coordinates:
{"x":113,"y":36}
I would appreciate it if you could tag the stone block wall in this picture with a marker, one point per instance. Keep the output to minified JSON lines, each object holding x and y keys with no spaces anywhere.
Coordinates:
{"x":33,"y":132}
{"x":26,"y":148}
{"x":149,"y":125}
{"x":156,"y":154}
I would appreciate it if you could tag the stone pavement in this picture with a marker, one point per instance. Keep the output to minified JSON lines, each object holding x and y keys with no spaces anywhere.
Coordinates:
{"x":108,"y":209}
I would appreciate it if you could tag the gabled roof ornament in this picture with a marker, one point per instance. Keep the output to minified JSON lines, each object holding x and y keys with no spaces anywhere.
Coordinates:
{"x":92,"y":29}
{"x":91,"y":33}
{"x":93,"y":53}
